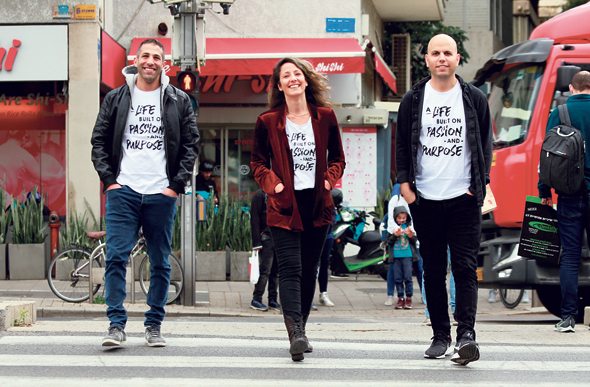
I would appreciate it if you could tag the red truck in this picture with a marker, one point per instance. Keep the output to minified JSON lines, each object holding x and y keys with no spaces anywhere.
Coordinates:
{"x":528,"y":80}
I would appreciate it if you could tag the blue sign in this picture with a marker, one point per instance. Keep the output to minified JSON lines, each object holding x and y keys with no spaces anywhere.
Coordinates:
{"x":339,"y":24}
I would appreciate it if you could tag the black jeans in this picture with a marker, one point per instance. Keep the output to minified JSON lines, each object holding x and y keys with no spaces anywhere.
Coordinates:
{"x":298,"y":254}
{"x":325,"y":262}
{"x":269,"y":272}
{"x":457,"y":223}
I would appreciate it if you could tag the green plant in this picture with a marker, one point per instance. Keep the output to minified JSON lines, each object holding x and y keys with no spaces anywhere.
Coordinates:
{"x":21,"y":320}
{"x":5,"y":216}
{"x":99,"y":300}
{"x":380,"y":208}
{"x":27,"y":218}
{"x":240,"y":231}
{"x":212,"y":234}
{"x":74,"y":231}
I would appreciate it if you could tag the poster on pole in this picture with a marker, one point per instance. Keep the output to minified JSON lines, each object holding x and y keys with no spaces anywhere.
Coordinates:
{"x":359,"y":183}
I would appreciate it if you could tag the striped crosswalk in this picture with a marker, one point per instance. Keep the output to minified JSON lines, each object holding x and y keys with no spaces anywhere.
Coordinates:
{"x":52,"y":360}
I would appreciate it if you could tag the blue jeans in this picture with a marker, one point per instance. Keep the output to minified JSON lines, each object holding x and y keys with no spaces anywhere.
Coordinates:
{"x":126,"y":212}
{"x":402,"y":275}
{"x":571,"y":218}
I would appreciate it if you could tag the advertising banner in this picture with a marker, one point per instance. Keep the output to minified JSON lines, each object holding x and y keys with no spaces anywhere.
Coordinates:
{"x":359,"y":183}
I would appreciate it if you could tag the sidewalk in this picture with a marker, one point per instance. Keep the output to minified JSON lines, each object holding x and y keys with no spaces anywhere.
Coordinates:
{"x":364,"y":298}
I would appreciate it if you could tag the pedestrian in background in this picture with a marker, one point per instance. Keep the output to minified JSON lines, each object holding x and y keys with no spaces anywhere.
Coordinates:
{"x":297,"y":158}
{"x":572,"y":210}
{"x":443,"y":159}
{"x":204,"y":184}
{"x":324,"y":263}
{"x":142,"y":183}
{"x":402,"y":246}
{"x":262,"y":242}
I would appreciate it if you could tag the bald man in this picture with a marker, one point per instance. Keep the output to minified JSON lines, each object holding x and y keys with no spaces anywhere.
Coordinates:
{"x":443,"y":159}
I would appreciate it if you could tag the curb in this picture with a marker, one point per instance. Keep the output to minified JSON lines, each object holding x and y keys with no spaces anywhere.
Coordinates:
{"x":13,"y":311}
{"x":98,"y":313}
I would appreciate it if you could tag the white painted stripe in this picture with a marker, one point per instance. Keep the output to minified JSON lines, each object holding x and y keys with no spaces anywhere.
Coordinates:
{"x":16,"y":381}
{"x":285,"y":362}
{"x":282,"y":343}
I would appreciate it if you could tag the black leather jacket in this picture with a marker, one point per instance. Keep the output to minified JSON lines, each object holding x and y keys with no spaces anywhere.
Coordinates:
{"x":479,"y":136}
{"x":181,"y":135}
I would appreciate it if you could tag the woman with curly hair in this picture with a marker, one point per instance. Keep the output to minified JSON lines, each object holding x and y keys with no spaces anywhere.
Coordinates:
{"x":297,"y":158}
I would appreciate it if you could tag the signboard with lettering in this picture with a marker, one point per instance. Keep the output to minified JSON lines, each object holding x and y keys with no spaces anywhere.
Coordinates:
{"x":359,"y":183}
{"x":34,"y":53}
{"x":85,"y":12}
{"x":340,"y":24}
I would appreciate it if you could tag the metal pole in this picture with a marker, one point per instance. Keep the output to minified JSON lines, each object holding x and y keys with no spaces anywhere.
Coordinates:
{"x":187,"y":243}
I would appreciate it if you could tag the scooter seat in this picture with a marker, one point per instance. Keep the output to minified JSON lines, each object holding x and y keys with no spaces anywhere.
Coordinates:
{"x":370,"y":237}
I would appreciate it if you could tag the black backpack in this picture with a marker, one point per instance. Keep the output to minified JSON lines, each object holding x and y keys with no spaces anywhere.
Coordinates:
{"x":561,"y":166}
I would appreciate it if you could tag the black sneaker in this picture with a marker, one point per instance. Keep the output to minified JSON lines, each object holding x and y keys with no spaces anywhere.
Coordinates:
{"x":466,"y":350}
{"x":153,"y":337}
{"x":440,"y":346}
{"x":115,"y":337}
{"x":274,"y":305}
{"x":568,"y":324}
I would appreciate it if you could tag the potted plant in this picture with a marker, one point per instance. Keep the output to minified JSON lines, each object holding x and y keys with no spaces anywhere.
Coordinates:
{"x":239,"y":240}
{"x":5,"y":219}
{"x":26,"y":253}
{"x":211,"y":238}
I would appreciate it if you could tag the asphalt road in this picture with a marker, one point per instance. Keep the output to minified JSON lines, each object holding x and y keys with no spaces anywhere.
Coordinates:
{"x":254,"y":351}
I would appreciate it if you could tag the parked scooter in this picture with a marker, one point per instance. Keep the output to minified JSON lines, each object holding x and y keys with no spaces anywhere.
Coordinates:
{"x":351,"y":227}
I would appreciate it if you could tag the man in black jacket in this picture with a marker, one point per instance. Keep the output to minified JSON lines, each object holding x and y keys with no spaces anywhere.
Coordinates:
{"x":262,"y":242}
{"x":443,"y":160}
{"x":144,"y":147}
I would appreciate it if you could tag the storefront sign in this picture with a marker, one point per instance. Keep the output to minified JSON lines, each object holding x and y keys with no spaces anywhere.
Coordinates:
{"x":359,"y":183}
{"x":34,"y":53}
{"x":85,"y":12}
{"x":33,"y":111}
{"x":63,"y":12}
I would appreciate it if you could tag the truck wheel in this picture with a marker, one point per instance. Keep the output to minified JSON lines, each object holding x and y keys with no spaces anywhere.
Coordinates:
{"x":550,"y":296}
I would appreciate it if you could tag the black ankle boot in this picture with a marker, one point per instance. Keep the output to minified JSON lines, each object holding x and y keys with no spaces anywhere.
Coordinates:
{"x":296,"y":338}
{"x":303,"y":324}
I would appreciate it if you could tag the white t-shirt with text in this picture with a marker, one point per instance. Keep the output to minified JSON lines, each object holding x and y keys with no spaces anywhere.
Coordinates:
{"x":444,"y":158}
{"x":302,"y":144}
{"x":143,"y":166}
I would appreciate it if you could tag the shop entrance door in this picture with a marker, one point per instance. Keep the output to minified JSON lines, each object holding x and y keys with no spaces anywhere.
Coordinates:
{"x":229,"y":149}
{"x":240,"y":180}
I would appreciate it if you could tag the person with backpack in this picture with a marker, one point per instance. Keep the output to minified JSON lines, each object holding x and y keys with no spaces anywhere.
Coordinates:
{"x":572,"y":208}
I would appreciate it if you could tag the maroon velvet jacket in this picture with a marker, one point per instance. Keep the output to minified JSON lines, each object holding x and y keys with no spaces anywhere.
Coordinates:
{"x":271,"y":147}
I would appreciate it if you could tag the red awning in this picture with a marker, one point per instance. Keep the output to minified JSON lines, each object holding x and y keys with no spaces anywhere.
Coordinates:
{"x":253,"y":56}
{"x":258,"y":56}
{"x":385,"y":72}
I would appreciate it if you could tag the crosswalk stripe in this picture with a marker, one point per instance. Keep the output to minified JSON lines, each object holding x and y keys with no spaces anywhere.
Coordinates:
{"x":275,"y":362}
{"x":276,"y":343}
{"x":181,"y":382}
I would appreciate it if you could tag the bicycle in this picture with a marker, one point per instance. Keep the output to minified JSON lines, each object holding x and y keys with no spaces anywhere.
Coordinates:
{"x":68,"y":272}
{"x":511,"y":297}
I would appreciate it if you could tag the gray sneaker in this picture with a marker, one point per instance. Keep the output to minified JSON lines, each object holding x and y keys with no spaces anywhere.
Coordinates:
{"x":466,"y":350}
{"x":115,"y":337}
{"x":153,"y":337}
{"x":568,"y":324}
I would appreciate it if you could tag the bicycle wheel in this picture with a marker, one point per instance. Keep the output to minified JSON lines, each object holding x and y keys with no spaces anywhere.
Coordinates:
{"x":70,"y":281}
{"x":176,"y":278}
{"x":511,"y":297}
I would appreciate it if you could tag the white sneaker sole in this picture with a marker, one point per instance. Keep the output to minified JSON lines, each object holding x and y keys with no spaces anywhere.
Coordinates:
{"x":111,"y":343}
{"x":155,"y":344}
{"x":466,"y":354}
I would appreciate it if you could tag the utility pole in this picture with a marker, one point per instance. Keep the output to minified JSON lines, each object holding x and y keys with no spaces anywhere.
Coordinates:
{"x":188,"y":31}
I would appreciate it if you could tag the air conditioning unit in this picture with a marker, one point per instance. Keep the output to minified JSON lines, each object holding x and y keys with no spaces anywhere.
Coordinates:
{"x":401,"y":45}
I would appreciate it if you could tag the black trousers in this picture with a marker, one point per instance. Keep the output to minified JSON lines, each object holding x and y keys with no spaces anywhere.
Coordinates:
{"x":298,"y":254}
{"x":269,"y":272}
{"x":455,"y":223}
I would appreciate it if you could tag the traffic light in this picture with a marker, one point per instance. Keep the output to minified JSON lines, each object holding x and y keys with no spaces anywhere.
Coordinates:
{"x":188,"y":81}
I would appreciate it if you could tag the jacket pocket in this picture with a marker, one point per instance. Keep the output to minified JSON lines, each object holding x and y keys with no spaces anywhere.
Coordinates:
{"x":280,"y":203}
